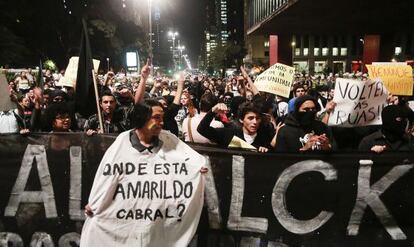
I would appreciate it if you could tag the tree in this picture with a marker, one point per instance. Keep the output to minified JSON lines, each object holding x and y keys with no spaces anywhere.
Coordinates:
{"x":227,"y":56}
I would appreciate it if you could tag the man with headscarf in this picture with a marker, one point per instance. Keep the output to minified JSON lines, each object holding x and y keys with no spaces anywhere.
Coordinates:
{"x":301,"y":131}
{"x":392,"y":136}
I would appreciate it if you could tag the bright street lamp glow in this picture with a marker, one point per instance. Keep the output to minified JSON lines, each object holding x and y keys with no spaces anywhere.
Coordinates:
{"x":172,"y":34}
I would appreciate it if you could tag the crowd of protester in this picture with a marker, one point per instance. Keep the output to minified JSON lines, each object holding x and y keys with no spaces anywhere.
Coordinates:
{"x":209,"y":110}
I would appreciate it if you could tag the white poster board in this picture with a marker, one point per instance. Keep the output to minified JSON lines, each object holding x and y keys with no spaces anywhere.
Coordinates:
{"x":71,"y":72}
{"x":358,"y":103}
{"x":145,"y":198}
{"x":5,"y":103}
{"x":277,"y":79}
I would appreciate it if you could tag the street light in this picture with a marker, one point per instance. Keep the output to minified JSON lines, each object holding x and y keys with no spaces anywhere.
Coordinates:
{"x":150,"y":26}
{"x":362,"y":61}
{"x":181,"y":48}
{"x":293,"y":44}
{"x":107,"y":62}
{"x":173,"y":35}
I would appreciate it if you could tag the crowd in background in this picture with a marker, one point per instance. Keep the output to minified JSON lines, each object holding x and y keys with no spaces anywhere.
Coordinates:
{"x":209,"y":110}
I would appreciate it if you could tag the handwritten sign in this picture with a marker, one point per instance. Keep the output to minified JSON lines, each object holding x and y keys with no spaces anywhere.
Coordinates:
{"x":398,"y":78}
{"x":277,"y":80}
{"x":145,"y":198}
{"x":5,"y":103}
{"x":358,"y":103}
{"x":71,"y":72}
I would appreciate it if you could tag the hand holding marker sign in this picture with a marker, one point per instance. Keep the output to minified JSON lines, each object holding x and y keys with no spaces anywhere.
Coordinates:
{"x":358,"y":103}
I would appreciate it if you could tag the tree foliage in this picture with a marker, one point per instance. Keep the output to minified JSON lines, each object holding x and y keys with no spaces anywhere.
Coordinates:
{"x":227,"y":56}
{"x":33,"y":30}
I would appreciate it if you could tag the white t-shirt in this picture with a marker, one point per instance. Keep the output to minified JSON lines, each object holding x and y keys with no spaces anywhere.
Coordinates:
{"x":249,"y":138}
{"x":195,"y":121}
{"x":8,"y":122}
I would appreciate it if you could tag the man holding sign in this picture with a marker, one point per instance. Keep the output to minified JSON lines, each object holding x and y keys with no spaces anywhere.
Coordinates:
{"x":148,"y":190}
{"x":359,"y":103}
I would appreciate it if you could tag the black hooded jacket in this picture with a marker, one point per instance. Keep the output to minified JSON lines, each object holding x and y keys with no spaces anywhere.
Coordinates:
{"x":288,"y":137}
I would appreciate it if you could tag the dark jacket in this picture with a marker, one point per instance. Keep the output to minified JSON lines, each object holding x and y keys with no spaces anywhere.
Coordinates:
{"x":120,"y":121}
{"x":223,"y":136}
{"x":169,"y":118}
{"x":289,"y":136}
{"x":378,"y":138}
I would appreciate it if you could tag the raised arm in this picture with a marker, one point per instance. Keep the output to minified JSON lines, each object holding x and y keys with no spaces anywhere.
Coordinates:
{"x":249,"y":81}
{"x":145,"y":72}
{"x":204,"y":128}
{"x":180,"y":88}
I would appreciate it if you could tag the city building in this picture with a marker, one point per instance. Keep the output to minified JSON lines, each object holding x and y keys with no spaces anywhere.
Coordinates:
{"x":328,"y":36}
{"x":224,"y":24}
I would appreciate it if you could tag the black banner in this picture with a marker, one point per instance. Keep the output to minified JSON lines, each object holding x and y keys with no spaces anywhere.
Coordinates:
{"x":341,"y":199}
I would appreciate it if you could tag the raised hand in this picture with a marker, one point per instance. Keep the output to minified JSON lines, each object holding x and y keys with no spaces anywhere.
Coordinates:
{"x":146,"y":70}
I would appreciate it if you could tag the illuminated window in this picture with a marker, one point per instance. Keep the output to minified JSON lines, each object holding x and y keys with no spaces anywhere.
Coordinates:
{"x":297,"y":51}
{"x":325,"y":51}
{"x":335,"y":51}
{"x":316,"y":51}
{"x":266,"y":44}
{"x":344,"y":51}
{"x":305,"y":51}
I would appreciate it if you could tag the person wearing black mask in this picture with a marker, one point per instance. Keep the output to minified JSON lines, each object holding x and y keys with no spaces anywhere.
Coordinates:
{"x":392,"y":136}
{"x":301,"y":131}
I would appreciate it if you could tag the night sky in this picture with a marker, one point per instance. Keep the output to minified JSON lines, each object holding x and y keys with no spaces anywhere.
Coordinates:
{"x":50,"y":29}
{"x":189,"y":18}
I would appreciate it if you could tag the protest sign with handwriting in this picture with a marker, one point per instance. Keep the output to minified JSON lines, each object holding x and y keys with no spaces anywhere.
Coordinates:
{"x":277,"y":80}
{"x":358,"y":103}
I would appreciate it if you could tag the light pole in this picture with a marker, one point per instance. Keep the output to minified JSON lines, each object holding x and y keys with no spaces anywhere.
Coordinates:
{"x":150,"y":27}
{"x":181,"y":49}
{"x":107,"y":62}
{"x":362,"y":60}
{"x":173,"y":35}
{"x":293,"y":44}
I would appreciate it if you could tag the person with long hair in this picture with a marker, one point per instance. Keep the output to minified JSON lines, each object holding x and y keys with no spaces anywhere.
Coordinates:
{"x":187,"y":109}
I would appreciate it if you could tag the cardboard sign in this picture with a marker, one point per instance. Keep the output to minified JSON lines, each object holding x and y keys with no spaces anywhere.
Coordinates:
{"x":5,"y":103}
{"x":358,"y":103}
{"x":277,"y":80}
{"x":148,"y":198}
{"x":71,"y":72}
{"x":397,"y":78}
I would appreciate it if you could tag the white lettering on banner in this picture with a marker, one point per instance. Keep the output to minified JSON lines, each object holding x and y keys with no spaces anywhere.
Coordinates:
{"x":369,"y":195}
{"x":69,"y":239}
{"x":358,"y":103}
{"x":211,"y":197}
{"x":41,"y":239}
{"x":75,"y":192}
{"x":279,"y":196}
{"x":250,"y":242}
{"x":235,"y":221}
{"x":10,"y":239}
{"x":45,"y":196}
